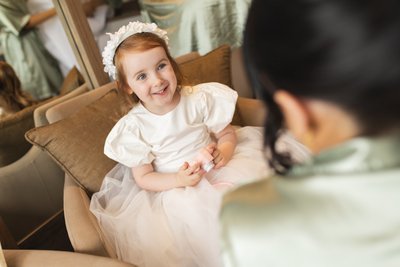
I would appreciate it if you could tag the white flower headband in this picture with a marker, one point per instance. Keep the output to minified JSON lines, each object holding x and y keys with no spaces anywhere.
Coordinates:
{"x":119,"y":36}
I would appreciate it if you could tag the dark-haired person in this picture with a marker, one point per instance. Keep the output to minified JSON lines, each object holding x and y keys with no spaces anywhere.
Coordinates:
{"x":12,"y":97}
{"x":329,"y":71}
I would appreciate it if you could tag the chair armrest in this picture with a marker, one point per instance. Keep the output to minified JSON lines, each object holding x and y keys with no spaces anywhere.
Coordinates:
{"x":252,"y":111}
{"x":39,"y":114}
{"x":30,"y":192}
{"x":82,"y":227}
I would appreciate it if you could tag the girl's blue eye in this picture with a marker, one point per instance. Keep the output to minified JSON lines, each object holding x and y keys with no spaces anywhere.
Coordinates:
{"x":161,"y":66}
{"x":141,"y":76}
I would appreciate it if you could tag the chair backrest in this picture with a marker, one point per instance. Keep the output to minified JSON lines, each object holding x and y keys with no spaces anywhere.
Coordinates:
{"x":240,"y":81}
{"x":71,"y":106}
{"x":39,"y":113}
{"x":12,"y":130}
{"x":72,"y":80}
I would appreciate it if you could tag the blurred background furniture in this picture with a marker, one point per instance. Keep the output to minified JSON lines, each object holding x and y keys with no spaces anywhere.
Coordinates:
{"x":43,"y":258}
{"x":49,"y":258}
{"x":31,"y":183}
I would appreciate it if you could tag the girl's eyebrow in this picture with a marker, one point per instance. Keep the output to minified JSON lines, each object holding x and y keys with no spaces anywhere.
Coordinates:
{"x":161,"y":60}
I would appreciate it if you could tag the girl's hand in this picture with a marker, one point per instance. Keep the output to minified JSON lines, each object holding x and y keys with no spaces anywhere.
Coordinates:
{"x":189,"y":175}
{"x":220,"y":159}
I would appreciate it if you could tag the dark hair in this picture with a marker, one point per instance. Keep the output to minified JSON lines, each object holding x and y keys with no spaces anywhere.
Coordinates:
{"x":345,"y":52}
{"x":11,"y":90}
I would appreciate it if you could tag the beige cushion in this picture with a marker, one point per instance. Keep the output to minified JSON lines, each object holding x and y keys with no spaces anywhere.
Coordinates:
{"x":76,"y":142}
{"x":211,"y":67}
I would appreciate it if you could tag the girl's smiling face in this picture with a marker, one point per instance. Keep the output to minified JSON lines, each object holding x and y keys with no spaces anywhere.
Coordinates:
{"x":151,"y":77}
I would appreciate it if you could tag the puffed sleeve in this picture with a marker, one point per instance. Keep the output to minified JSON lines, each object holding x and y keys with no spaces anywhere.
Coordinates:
{"x":218,"y":102}
{"x":125,"y":145}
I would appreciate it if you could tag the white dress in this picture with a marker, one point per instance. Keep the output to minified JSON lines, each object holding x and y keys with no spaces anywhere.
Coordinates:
{"x":178,"y":227}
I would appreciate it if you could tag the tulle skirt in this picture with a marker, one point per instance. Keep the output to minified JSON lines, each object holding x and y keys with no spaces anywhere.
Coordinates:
{"x":178,"y":227}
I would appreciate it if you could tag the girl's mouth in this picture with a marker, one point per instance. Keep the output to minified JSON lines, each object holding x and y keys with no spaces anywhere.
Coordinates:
{"x":161,"y":92}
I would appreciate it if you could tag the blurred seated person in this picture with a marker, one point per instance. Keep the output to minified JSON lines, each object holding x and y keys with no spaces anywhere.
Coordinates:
{"x":37,"y":70}
{"x":12,"y":97}
{"x":194,"y":25}
{"x":52,"y":33}
{"x":329,"y":71}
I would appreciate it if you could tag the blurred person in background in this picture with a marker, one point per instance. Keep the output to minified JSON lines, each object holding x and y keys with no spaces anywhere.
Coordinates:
{"x":194,"y":25}
{"x":329,"y":71}
{"x":52,"y":33}
{"x":24,"y":51}
{"x":12,"y":97}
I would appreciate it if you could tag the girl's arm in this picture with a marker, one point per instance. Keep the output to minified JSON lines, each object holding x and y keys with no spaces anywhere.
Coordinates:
{"x":226,"y":144}
{"x":147,"y":178}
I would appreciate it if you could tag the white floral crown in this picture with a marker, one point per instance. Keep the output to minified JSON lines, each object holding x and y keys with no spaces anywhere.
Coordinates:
{"x":119,"y":36}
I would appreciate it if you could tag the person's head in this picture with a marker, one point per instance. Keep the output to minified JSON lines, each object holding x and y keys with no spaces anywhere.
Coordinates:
{"x":320,"y":63}
{"x":10,"y":89}
{"x":144,"y":67}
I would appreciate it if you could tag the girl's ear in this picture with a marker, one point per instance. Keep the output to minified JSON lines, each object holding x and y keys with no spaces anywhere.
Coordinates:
{"x":297,"y":117}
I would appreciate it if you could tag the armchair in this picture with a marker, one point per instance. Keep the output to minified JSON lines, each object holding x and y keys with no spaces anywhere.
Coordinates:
{"x":13,"y":257}
{"x":31,"y":185}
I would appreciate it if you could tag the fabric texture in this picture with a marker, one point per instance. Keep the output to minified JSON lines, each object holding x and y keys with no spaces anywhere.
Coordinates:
{"x":340,"y":208}
{"x":184,"y":221}
{"x":23,"y":50}
{"x":76,"y":143}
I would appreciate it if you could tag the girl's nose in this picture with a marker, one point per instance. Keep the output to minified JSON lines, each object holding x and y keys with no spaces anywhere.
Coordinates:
{"x":157,"y":80}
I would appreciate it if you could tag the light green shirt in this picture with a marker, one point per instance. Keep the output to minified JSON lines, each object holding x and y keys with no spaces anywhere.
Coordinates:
{"x":342,"y":208}
{"x":37,"y":70}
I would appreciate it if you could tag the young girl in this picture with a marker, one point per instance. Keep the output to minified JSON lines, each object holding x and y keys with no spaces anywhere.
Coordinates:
{"x":158,"y":206}
{"x":12,"y":98}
